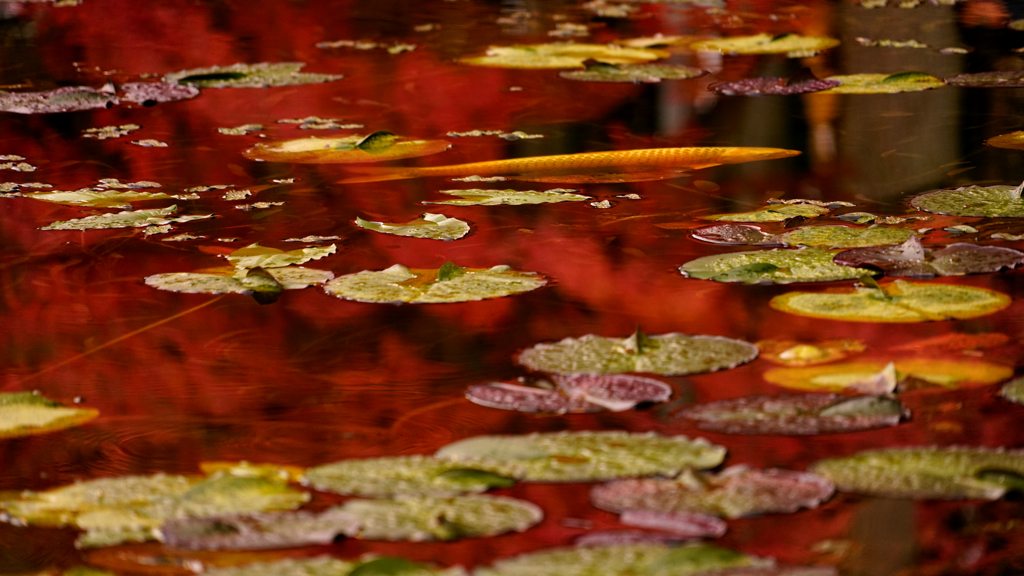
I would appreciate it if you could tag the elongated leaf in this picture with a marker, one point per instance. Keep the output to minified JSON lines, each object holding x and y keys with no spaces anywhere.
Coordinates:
{"x":67,"y":99}
{"x":561,"y":55}
{"x":977,"y":201}
{"x":885,"y":83}
{"x":637,"y":73}
{"x":773,"y":213}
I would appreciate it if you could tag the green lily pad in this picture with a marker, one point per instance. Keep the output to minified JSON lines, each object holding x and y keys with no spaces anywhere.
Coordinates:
{"x":95,"y":198}
{"x":562,"y":55}
{"x":845,"y":236}
{"x":623,"y":560}
{"x":792,"y":44}
{"x":478,"y":197}
{"x":242,"y":75}
{"x":582,"y":456}
{"x":933,"y":473}
{"x":637,"y":73}
{"x":1013,"y":390}
{"x":376,"y":147}
{"x":885,"y":83}
{"x":977,"y":201}
{"x":771,"y":267}
{"x":899,"y":301}
{"x":329,"y":566}
{"x":432,"y":226}
{"x":449,"y":283}
{"x":667,"y":354}
{"x":419,"y":518}
{"x":25,"y":414}
{"x":254,"y":255}
{"x":234,"y":281}
{"x":401,"y":475}
{"x":126,"y":219}
{"x":1013,"y":140}
{"x":773,"y":213}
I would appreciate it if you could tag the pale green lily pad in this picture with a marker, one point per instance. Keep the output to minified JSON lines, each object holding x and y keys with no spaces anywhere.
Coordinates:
{"x":479,"y":197}
{"x":976,"y":201}
{"x":425,"y":518}
{"x":401,"y":475}
{"x":96,"y":198}
{"x":623,"y":560}
{"x":242,"y":75}
{"x":376,"y":147}
{"x":329,"y":566}
{"x":233,"y":281}
{"x":639,"y":73}
{"x":899,"y":301}
{"x":773,"y":213}
{"x":562,"y":55}
{"x":885,"y":83}
{"x":771,"y":267}
{"x":933,"y":473}
{"x":432,"y":226}
{"x":845,"y":236}
{"x":792,"y":44}
{"x":583,"y":456}
{"x":449,"y":283}
{"x":667,"y":354}
{"x":25,"y":414}
{"x":126,"y":219}
{"x":254,"y":255}
{"x":1014,"y":390}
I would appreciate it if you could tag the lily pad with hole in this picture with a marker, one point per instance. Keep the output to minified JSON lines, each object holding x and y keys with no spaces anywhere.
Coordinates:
{"x":126,"y":219}
{"x":911,"y":259}
{"x":575,"y":393}
{"x":562,"y":55}
{"x":997,"y":79}
{"x":945,"y":373}
{"x":845,"y":236}
{"x":735,"y":492}
{"x":450,"y":283}
{"x":258,"y":531}
{"x":773,"y":213}
{"x":635,"y":73}
{"x":797,"y":414}
{"x":262,"y":75}
{"x":26,"y":414}
{"x":96,"y":198}
{"x":254,"y":255}
{"x":582,"y":456}
{"x":794,"y":45}
{"x":976,"y":201}
{"x":478,"y":197}
{"x":1013,"y":140}
{"x":779,"y":266}
{"x":421,"y":518}
{"x":376,"y":147}
{"x":432,"y":226}
{"x":927,"y":473}
{"x":793,"y":353}
{"x":900,"y":301}
{"x":148,"y":93}
{"x":736,"y":234}
{"x":885,"y":83}
{"x":67,"y":99}
{"x":391,"y":476}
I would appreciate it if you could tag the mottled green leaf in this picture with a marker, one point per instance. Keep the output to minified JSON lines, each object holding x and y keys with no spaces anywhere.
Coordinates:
{"x":433,"y":226}
{"x":426,"y":518}
{"x":254,"y":255}
{"x":127,"y":219}
{"x":845,"y":236}
{"x":885,"y":83}
{"x":771,"y":266}
{"x":977,"y":201}
{"x":400,"y":284}
{"x":791,"y":44}
{"x":478,"y":197}
{"x":241,"y":75}
{"x":236,"y":281}
{"x":773,"y":213}
{"x":401,"y":475}
{"x":796,"y":414}
{"x":638,"y":73}
{"x":329,"y":566}
{"x":25,"y":413}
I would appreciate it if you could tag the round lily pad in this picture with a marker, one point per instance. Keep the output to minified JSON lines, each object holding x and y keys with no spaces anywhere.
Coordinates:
{"x":425,"y":518}
{"x":67,"y":99}
{"x":242,"y":75}
{"x":932,"y":473}
{"x":636,"y":73}
{"x":885,"y":83}
{"x":792,"y":44}
{"x":562,"y":55}
{"x":147,"y":93}
{"x":1013,"y":140}
{"x":797,"y":414}
{"x":478,"y":197}
{"x":401,"y":475}
{"x":432,"y":226}
{"x":911,"y":259}
{"x":773,"y":213}
{"x":845,"y":236}
{"x":770,"y":86}
{"x":977,"y":201}
{"x":582,"y":456}
{"x":1000,"y":79}
{"x":450,"y":283}
{"x":737,"y":491}
{"x":936,"y":371}
{"x":739,"y":234}
{"x":346,"y":149}
{"x":258,"y":531}
{"x":1013,"y":390}
{"x":780,"y":266}
{"x":900,"y":301}
{"x":25,"y":414}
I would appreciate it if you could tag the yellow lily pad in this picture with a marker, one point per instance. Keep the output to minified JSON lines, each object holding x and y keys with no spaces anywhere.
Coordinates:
{"x":450,"y":283}
{"x":773,"y":213}
{"x":885,"y":83}
{"x":937,"y":371}
{"x":794,"y":45}
{"x":25,"y":413}
{"x":562,"y":55}
{"x":376,"y":147}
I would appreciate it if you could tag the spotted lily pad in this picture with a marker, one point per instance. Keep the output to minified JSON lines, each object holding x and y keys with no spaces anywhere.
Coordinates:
{"x":575,"y":393}
{"x":900,"y":301}
{"x":95,"y":198}
{"x":932,"y":473}
{"x":149,"y":93}
{"x":773,"y":213}
{"x":25,"y":414}
{"x":582,"y":456}
{"x":67,"y":99}
{"x":228,"y":280}
{"x":478,"y":197}
{"x":977,"y":201}
{"x":771,"y":86}
{"x":254,"y":255}
{"x":794,"y":45}
{"x":401,"y":476}
{"x":934,"y":371}
{"x":376,"y":147}
{"x":1000,"y":79}
{"x":771,"y":266}
{"x":241,"y":75}
{"x":797,"y":414}
{"x":419,"y":518}
{"x":911,"y":259}
{"x":258,"y":531}
{"x":793,"y":353}
{"x":330,"y":566}
{"x":126,"y":219}
{"x":741,"y":234}
{"x":432,"y":226}
{"x":527,"y":399}
{"x":562,"y":55}
{"x":845,"y":236}
{"x":885,"y":83}
{"x":637,"y":73}
{"x":735,"y":492}
{"x":450,"y":283}
{"x":1013,"y":140}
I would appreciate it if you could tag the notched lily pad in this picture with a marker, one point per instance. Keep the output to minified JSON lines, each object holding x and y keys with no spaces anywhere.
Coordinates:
{"x":25,"y":414}
{"x":562,"y":55}
{"x":450,"y":283}
{"x":582,"y":456}
{"x":401,"y":476}
{"x":861,"y":375}
{"x":845,"y":236}
{"x":425,"y":518}
{"x":127,"y":219}
{"x":885,"y":83}
{"x":797,"y":414}
{"x":432,"y":226}
{"x":637,"y":73}
{"x":911,"y":259}
{"x":242,"y":75}
{"x":900,"y":301}
{"x":575,"y":393}
{"x":258,"y":531}
{"x":149,"y":93}
{"x":773,"y":213}
{"x":794,"y":45}
{"x":780,"y":266}
{"x":736,"y":234}
{"x":479,"y":197}
{"x":67,"y":99}
{"x":976,"y":201}
{"x":1000,"y":79}
{"x":376,"y":147}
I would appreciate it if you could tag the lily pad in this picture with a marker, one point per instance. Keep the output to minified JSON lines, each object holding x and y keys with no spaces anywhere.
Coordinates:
{"x":936,"y":371}
{"x":330,"y":566}
{"x":25,"y":414}
{"x":885,"y":83}
{"x":735,"y":492}
{"x":977,"y":201}
{"x":254,"y":255}
{"x":575,"y":393}
{"x":562,"y":55}
{"x":237,"y":281}
{"x":376,"y":147}
{"x":773,"y":213}
{"x":679,"y":524}
{"x":432,"y":226}
{"x":845,"y":236}
{"x":424,"y":518}
{"x":797,"y":414}
{"x":793,"y":353}
{"x":149,"y":93}
{"x":1000,"y":79}
{"x":927,"y":473}
{"x":450,"y":283}
{"x":1013,"y":140}
{"x":900,"y":301}
{"x":911,"y":259}
{"x":67,"y":99}
{"x":527,"y":399}
{"x":802,"y":82}
{"x":1013,"y":390}
{"x":262,"y":75}
{"x":258,"y":531}
{"x":478,"y":197}
{"x":582,"y":456}
{"x":95,"y":198}
{"x":126,"y":219}
{"x":780,"y":266}
{"x":736,"y":234}
{"x":637,"y":73}
{"x":794,"y":45}
{"x":401,"y":476}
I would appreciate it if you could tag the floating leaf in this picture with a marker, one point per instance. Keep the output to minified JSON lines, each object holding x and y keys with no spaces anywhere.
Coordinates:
{"x":792,"y":353}
{"x":329,"y":566}
{"x":511,"y":136}
{"x":576,"y":393}
{"x":771,"y":266}
{"x":1000,"y":79}
{"x":791,"y":44}
{"x":735,"y":492}
{"x":25,"y":414}
{"x":935,"y":371}
{"x":348,"y":149}
{"x":977,"y":201}
{"x":149,"y":93}
{"x":527,"y":399}
{"x":105,"y":132}
{"x":680,"y":524}
{"x":433,"y":226}
{"x":797,"y":414}
{"x":425,"y":518}
{"x":400,"y":284}
{"x":582,"y":456}
{"x":258,"y":531}
{"x":911,"y":259}
{"x":735,"y":234}
{"x":619,"y":537}
{"x":637,"y":73}
{"x":318,"y":123}
{"x":932,"y":473}
{"x":401,"y":476}
{"x":262,"y":75}
{"x":1013,"y":390}
{"x":885,"y":83}
{"x":241,"y":130}
{"x":844,"y":236}
{"x":774,"y":213}
{"x":127,"y":219}
{"x":561,"y":55}
{"x":478,"y":197}
{"x":770,"y":86}
{"x":900,"y":301}
{"x":67,"y":99}
{"x":254,"y":255}
{"x":95,"y":198}
{"x":234,"y":281}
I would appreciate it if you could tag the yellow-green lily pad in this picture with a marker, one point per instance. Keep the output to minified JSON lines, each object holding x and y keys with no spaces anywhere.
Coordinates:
{"x":479,"y":197}
{"x":254,"y":255}
{"x":845,"y":236}
{"x":420,"y":518}
{"x":562,"y":55}
{"x":771,"y":267}
{"x":582,"y":456}
{"x":900,"y":301}
{"x":937,"y":371}
{"x":376,"y":147}
{"x":262,"y":75}
{"x":228,"y":280}
{"x":450,"y":283}
{"x":1013,"y":390}
{"x":1013,"y":140}
{"x":126,"y":219}
{"x":25,"y":414}
{"x":885,"y":83}
{"x":432,"y":226}
{"x":330,"y":566}
{"x":976,"y":201}
{"x":96,"y":198}
{"x":773,"y":213}
{"x":401,"y":476}
{"x":636,"y":73}
{"x":794,"y":45}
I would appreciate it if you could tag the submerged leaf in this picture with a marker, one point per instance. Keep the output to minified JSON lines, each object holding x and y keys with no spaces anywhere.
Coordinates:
{"x":845,"y":236}
{"x":561,"y":55}
{"x":241,"y":75}
{"x":637,"y":73}
{"x":376,"y":147}
{"x":773,"y":213}
{"x":254,"y":255}
{"x":400,"y":284}
{"x":885,"y":83}
{"x":67,"y":99}
{"x":25,"y":414}
{"x":478,"y":197}
{"x":258,"y":531}
{"x":432,"y":226}
{"x":977,"y":201}
{"x":424,"y":518}
{"x":792,"y":44}
{"x":935,"y":371}
{"x":911,"y":259}
{"x":127,"y":219}
{"x":780,"y":266}
{"x":401,"y":476}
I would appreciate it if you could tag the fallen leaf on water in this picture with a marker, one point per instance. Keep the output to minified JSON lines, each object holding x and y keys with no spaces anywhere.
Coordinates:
{"x":258,"y":531}
{"x":679,"y":524}
{"x":423,"y":518}
{"x":575,"y":393}
{"x":935,"y":371}
{"x":976,"y":201}
{"x":105,"y":132}
{"x":794,"y":45}
{"x":779,"y":266}
{"x":149,"y":93}
{"x":885,"y":83}
{"x":241,"y":75}
{"x":254,"y":255}
{"x":479,"y":197}
{"x":911,"y":259}
{"x":376,"y":147}
{"x":793,"y":353}
{"x":516,"y":135}
{"x":773,"y":213}
{"x":229,"y":280}
{"x":150,"y":143}
{"x":844,"y":236}
{"x":241,"y":130}
{"x":450,"y":283}
{"x":392,"y":476}
{"x":25,"y":414}
{"x":127,"y":219}
{"x":317,"y":123}
{"x":561,"y":55}
{"x":635,"y":73}
{"x":432,"y":226}
{"x":67,"y":99}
